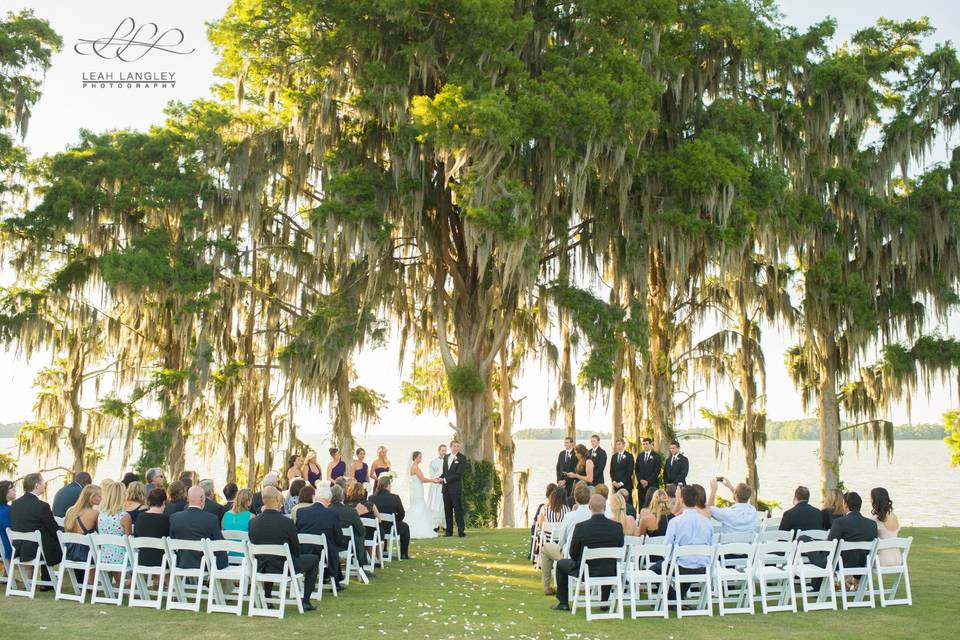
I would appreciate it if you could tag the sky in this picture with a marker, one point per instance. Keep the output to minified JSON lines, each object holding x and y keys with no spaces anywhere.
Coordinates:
{"x":67,"y":106}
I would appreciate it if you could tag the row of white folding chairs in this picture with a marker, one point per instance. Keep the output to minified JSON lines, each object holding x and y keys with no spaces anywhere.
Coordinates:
{"x":733,"y":573}
{"x":185,"y":586}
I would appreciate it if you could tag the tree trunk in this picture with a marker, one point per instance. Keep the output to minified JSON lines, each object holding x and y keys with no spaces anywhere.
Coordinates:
{"x":748,"y":391}
{"x":568,"y":391}
{"x":231,"y":442}
{"x":617,"y":400}
{"x":660,"y":407}
{"x":342,"y":425}
{"x":472,"y":412}
{"x":249,"y":388}
{"x":76,"y":436}
{"x":505,"y":446}
{"x":829,"y":407}
{"x":266,"y":403}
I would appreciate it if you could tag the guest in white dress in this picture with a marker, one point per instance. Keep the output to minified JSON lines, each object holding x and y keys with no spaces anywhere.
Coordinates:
{"x":418,"y":516}
{"x":435,"y":501}
{"x":888,"y":525}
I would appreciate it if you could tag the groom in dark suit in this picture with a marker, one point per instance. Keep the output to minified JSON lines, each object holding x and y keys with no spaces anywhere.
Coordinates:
{"x":453,"y":467}
{"x":566,"y":462}
{"x":649,"y":465}
{"x":599,"y":457}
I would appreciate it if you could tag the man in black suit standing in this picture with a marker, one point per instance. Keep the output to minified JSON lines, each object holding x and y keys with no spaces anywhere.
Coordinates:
{"x":649,"y":465}
{"x":318,"y":520}
{"x":387,"y":502}
{"x":853,"y":527}
{"x":599,"y":457}
{"x":193,"y":523}
{"x":566,"y":462}
{"x":68,"y":494}
{"x":677,"y":467}
{"x":801,"y":516}
{"x":621,"y":469}
{"x":596,"y":532}
{"x":272,"y":527}
{"x":453,"y":467}
{"x":29,"y":513}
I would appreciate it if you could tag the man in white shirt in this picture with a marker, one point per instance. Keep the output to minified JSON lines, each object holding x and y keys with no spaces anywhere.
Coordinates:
{"x":553,"y":551}
{"x":741,"y":517}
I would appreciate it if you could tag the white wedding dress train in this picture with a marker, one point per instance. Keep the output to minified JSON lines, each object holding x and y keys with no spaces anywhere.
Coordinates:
{"x":418,"y":516}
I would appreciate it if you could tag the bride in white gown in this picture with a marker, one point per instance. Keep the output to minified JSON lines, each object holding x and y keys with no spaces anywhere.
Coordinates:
{"x":419,"y":517}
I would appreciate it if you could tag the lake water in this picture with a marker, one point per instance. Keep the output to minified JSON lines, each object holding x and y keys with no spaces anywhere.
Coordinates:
{"x":919,"y":478}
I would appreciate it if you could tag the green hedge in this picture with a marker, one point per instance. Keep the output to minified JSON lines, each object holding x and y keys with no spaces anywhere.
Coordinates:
{"x":481,"y":494}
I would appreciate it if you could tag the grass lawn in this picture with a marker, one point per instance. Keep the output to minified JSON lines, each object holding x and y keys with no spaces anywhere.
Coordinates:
{"x":484,"y":587}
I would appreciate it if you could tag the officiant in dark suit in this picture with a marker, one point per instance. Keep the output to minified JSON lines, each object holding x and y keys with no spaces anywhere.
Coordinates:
{"x":599,"y":457}
{"x":621,"y":469}
{"x":649,"y":465}
{"x":454,"y":466}
{"x":566,"y":462}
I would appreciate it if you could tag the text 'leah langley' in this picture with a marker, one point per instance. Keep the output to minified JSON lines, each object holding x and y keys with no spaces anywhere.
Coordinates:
{"x":129,"y":79}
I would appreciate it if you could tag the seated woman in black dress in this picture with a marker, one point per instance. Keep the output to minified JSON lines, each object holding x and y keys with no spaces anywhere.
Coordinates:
{"x":152,"y":523}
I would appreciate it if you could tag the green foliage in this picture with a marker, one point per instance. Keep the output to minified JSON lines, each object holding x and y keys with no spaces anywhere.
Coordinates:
{"x":481,"y":493}
{"x":426,"y":389}
{"x":155,"y":437}
{"x":951,"y":425}
{"x":464,"y":380}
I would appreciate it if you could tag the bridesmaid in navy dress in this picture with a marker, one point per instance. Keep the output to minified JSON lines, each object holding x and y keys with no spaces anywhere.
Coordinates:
{"x":381,"y":464}
{"x":314,"y":472}
{"x":361,"y":472}
{"x":337,"y":466}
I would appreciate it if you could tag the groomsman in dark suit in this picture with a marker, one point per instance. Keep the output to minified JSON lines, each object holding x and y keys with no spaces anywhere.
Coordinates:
{"x":599,"y":457}
{"x":621,"y":469}
{"x":677,"y":467}
{"x":566,"y":462}
{"x":649,"y":465}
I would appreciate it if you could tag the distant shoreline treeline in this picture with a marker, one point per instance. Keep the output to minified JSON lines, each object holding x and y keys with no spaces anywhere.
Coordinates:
{"x":805,"y":429}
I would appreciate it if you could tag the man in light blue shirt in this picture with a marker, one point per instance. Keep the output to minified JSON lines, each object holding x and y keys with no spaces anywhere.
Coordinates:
{"x":689,"y":528}
{"x":741,"y":517}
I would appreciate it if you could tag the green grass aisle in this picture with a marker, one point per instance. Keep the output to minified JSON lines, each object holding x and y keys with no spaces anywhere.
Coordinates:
{"x":483,"y":587}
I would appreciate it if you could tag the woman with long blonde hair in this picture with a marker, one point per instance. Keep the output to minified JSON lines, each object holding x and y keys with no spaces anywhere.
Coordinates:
{"x":113,"y":520}
{"x":654,"y":519}
{"x":618,"y":513}
{"x":135,"y":500}
{"x":82,"y":518}
{"x":381,"y":464}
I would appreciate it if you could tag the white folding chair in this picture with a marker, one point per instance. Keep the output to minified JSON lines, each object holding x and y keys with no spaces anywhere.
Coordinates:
{"x":589,"y":583}
{"x":320,"y":541}
{"x":888,"y":597}
{"x":287,"y":580}
{"x":351,"y":559}
{"x":103,"y":567}
{"x":146,"y":582}
{"x":774,"y":535}
{"x":812,"y":534}
{"x":704,"y":596}
{"x":773,"y":570}
{"x":733,"y":577}
{"x":640,"y":559}
{"x":826,"y":597}
{"x":19,"y":566}
{"x":239,"y":536}
{"x":70,"y":568}
{"x":655,"y":540}
{"x":229,"y":600}
{"x":862,"y":595}
{"x":185,"y":587}
{"x":59,"y":521}
{"x":738,"y":536}
{"x":772,"y":524}
{"x":392,"y":537}
{"x":374,"y":545}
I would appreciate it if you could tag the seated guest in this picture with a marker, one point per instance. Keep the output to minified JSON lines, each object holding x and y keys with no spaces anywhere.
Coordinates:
{"x":229,"y":494}
{"x":176,"y":498}
{"x":272,"y":527}
{"x":114,"y":521}
{"x":210,"y":504}
{"x":676,"y":504}
{"x":537,"y":515}
{"x":356,"y":497}
{"x":741,"y":516}
{"x":631,"y":510}
{"x":82,"y":518}
{"x":832,"y":508}
{"x":556,"y":507}
{"x":604,"y":491}
{"x":155,"y":480}
{"x":702,"y":500}
{"x":189,"y":478}
{"x":129,"y":477}
{"x":293,"y":496}
{"x":152,"y":523}
{"x":853,"y":527}
{"x":802,"y":516}
{"x":305,"y":497}
{"x":655,"y":518}
{"x":888,"y":525}
{"x":553,"y":551}
{"x":348,"y":518}
{"x":596,"y":532}
{"x":322,"y":494}
{"x":193,"y":523}
{"x":269,"y":480}
{"x":29,"y":513}
{"x":387,"y":502}
{"x":238,"y":518}
{"x":68,"y":494}
{"x":7,"y":495}
{"x":618,"y":511}
{"x":690,"y":527}
{"x":133,"y":502}
{"x":318,"y":520}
